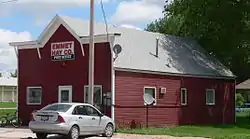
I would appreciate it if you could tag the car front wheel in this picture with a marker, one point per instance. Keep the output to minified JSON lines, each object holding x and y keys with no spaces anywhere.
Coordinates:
{"x":109,"y":130}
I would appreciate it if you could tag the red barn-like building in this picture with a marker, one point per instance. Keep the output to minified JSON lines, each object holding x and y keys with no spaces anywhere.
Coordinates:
{"x":189,"y":86}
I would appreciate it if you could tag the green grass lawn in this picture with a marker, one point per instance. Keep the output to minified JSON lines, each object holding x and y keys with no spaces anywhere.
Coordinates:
{"x":7,"y":104}
{"x":9,"y":111}
{"x":241,"y":130}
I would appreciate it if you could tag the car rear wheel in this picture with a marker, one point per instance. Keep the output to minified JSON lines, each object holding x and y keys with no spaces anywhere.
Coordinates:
{"x":74,"y":132}
{"x":41,"y":135}
{"x":109,"y":130}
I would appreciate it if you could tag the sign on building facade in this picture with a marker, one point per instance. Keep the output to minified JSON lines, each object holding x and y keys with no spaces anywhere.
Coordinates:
{"x":62,"y":51}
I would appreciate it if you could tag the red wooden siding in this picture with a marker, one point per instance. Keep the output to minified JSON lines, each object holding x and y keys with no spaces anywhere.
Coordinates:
{"x":49,"y":74}
{"x":168,"y":111}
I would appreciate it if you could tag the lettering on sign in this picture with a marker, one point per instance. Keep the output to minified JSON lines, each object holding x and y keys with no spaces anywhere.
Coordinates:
{"x":62,"y":51}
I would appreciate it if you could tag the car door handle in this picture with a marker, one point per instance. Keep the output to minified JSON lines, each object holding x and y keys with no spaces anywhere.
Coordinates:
{"x":93,"y":118}
{"x":80,"y":117}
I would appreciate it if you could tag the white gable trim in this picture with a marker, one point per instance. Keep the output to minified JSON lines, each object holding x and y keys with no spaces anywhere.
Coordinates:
{"x":23,"y":43}
{"x":28,"y":46}
{"x":99,"y":39}
{"x":172,"y":74}
{"x":83,"y":40}
{"x":43,"y":35}
{"x":46,"y":35}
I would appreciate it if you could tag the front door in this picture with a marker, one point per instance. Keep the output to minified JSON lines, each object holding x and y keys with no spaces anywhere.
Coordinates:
{"x":97,"y":96}
{"x":65,"y":94}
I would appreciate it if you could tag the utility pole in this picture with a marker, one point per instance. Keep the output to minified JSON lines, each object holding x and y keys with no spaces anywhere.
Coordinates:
{"x":91,"y":54}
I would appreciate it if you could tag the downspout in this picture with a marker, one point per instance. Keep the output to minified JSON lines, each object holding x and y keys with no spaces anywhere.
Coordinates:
{"x":235,"y":120}
{"x":113,"y":93}
{"x":17,"y":90}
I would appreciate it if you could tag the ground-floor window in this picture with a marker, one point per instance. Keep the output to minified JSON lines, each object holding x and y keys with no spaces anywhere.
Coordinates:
{"x":149,"y":95}
{"x":34,"y":95}
{"x":183,"y":96}
{"x":65,"y":94}
{"x":210,"y":96}
{"x":97,"y":98}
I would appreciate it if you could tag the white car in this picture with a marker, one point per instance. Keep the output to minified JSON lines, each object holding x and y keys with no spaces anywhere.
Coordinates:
{"x":70,"y":119}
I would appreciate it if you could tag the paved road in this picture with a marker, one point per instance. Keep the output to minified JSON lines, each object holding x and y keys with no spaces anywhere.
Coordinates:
{"x":14,"y":133}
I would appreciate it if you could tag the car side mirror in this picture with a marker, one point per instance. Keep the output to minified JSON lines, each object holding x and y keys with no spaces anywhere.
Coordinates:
{"x":101,"y":114}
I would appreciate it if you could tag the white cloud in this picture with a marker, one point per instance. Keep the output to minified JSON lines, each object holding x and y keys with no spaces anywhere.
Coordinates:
{"x":138,"y":11}
{"x":41,"y":10}
{"x":130,"y":26}
{"x":41,"y":7}
{"x":8,"y":59}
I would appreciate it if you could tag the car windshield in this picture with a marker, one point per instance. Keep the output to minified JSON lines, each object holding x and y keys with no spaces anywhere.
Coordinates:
{"x":57,"y":107}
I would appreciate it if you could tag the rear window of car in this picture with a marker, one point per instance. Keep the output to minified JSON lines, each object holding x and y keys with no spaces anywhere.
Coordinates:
{"x":57,"y":107}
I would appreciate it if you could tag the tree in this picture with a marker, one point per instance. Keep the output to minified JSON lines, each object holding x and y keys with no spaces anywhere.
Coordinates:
{"x":14,"y":74}
{"x":220,"y":26}
{"x":239,"y":100}
{"x":1,"y":74}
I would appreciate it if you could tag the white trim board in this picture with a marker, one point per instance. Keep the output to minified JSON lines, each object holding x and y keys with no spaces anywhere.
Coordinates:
{"x":50,"y":29}
{"x":83,"y":40}
{"x":171,"y":74}
{"x":65,"y":87}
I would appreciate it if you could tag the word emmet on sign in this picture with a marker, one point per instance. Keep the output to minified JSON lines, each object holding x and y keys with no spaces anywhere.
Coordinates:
{"x":62,"y":51}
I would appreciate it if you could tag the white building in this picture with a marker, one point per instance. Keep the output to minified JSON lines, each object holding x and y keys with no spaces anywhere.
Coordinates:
{"x":8,"y":89}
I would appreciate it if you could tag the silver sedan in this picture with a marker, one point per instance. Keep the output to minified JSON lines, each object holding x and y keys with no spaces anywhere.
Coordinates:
{"x":70,"y":119}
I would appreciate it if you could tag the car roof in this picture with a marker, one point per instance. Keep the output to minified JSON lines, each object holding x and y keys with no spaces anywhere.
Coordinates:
{"x":74,"y":103}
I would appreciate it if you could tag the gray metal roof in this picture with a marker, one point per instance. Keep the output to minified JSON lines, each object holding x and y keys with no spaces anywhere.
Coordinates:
{"x":177,"y":55}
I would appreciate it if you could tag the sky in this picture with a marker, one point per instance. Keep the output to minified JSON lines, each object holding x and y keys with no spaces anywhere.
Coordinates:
{"x":24,"y":20}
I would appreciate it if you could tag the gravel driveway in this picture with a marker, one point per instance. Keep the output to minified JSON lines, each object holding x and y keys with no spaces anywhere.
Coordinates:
{"x":12,"y":133}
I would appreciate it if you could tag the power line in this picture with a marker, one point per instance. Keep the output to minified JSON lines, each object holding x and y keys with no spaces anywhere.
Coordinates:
{"x":9,"y":1}
{"x":105,"y":19}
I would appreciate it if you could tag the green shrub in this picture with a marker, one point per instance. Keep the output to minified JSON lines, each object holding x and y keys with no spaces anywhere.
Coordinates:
{"x":239,"y":100}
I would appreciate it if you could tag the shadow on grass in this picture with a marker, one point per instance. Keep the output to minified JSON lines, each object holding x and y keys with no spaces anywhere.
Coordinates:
{"x":242,"y":121}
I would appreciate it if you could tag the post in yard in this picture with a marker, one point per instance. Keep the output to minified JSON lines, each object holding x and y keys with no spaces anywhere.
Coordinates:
{"x":91,"y":54}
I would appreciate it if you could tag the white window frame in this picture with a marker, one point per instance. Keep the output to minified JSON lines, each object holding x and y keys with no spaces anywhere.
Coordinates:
{"x":155,"y":90}
{"x":27,"y":95}
{"x":184,"y":89}
{"x":213,"y":91}
{"x":65,"y":87}
{"x":85,"y":90}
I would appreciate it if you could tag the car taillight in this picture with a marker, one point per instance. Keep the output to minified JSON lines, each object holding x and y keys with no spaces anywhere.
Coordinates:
{"x":60,"y":119}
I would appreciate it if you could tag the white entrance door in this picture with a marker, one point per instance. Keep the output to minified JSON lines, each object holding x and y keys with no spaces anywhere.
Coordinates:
{"x":65,"y":94}
{"x":97,"y":95}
